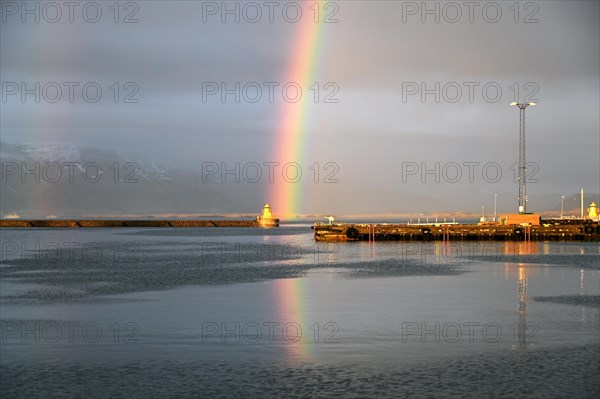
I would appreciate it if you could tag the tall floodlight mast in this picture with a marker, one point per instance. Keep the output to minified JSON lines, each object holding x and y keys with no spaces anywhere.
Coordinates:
{"x":522,"y":163}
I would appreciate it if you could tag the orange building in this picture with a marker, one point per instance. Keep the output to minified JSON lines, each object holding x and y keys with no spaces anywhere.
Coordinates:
{"x":521,"y":218}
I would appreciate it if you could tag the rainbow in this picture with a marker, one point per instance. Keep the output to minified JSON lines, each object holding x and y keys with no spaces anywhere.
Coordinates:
{"x":291,"y":140}
{"x":291,"y":144}
{"x":297,"y":337}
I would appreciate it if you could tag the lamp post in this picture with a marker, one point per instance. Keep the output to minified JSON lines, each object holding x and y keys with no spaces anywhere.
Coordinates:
{"x":581,"y":203}
{"x":495,"y":197}
{"x":562,"y":206}
{"x":522,"y":163}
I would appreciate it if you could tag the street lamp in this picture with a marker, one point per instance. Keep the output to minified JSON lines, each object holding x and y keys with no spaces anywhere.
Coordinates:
{"x":522,"y":163}
{"x":562,"y":206}
{"x":581,"y":202}
{"x":495,"y":197}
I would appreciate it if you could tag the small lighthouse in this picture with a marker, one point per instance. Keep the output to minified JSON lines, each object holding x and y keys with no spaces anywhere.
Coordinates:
{"x":267,"y":219}
{"x":593,"y":211}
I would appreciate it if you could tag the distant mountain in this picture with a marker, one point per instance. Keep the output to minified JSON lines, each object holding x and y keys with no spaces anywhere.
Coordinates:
{"x":69,"y":181}
{"x":136,"y":184}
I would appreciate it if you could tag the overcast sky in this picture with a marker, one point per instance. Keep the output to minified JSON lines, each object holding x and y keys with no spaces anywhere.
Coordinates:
{"x":376,"y":54}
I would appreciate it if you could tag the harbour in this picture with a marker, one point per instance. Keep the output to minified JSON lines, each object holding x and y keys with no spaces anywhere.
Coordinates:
{"x":300,"y":199}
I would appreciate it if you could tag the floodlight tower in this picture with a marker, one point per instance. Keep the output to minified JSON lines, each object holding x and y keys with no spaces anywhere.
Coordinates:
{"x":522,"y":163}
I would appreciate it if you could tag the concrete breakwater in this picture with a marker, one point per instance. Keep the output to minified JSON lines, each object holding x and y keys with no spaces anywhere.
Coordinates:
{"x":126,"y":223}
{"x":456,"y":232}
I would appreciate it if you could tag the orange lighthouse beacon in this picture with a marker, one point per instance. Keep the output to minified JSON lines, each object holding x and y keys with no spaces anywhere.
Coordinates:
{"x":267,"y":219}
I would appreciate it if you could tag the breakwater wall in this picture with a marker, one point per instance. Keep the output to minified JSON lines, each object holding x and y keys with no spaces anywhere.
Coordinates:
{"x":126,"y":223}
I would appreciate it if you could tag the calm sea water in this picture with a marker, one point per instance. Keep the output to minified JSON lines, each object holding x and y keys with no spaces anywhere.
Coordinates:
{"x":270,"y":313}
